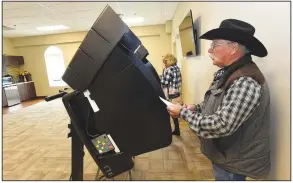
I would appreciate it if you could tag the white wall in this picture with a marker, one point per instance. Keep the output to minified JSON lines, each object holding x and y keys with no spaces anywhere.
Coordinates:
{"x":272,"y":23}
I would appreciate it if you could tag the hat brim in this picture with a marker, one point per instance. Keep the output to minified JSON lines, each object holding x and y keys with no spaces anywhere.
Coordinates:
{"x":253,"y":44}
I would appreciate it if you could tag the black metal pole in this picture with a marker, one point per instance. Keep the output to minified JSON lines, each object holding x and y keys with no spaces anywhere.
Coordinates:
{"x":77,"y":154}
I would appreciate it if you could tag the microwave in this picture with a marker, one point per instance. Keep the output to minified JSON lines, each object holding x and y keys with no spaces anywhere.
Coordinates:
{"x":7,"y":80}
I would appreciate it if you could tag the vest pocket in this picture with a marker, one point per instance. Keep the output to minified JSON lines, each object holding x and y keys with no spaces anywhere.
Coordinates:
{"x":230,"y":145}
{"x":209,"y":149}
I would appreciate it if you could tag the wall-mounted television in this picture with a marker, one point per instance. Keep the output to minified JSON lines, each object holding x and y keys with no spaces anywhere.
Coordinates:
{"x":188,"y":33}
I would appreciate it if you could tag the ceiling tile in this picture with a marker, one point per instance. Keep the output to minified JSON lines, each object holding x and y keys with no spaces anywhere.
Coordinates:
{"x":138,"y":8}
{"x":48,"y":4}
{"x":78,"y":16}
{"x":169,"y":9}
{"x":17,"y":5}
{"x":33,"y":11}
{"x":75,"y":14}
{"x":25,"y":20}
{"x":65,"y":7}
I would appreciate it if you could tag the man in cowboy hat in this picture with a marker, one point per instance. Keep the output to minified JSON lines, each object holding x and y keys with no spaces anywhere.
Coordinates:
{"x":232,"y":122}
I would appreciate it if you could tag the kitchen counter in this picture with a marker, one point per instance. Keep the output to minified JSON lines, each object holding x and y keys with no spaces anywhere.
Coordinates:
{"x":26,"y":91}
{"x":14,"y":84}
{"x":10,"y":95}
{"x":25,"y":82}
{"x":5,"y":86}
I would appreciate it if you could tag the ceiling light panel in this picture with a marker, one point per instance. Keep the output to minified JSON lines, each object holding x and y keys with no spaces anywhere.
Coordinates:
{"x":52,"y":28}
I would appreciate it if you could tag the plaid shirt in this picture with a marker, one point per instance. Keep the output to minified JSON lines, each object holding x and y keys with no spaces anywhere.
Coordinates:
{"x":171,"y":78}
{"x":238,"y":104}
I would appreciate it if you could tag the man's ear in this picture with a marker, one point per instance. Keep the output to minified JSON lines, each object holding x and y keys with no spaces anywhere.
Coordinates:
{"x":234,"y":48}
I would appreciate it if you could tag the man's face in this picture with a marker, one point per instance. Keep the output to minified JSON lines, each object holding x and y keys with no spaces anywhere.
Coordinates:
{"x":220,"y":52}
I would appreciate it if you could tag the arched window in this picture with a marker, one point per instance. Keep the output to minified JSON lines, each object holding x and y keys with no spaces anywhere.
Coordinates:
{"x":55,"y":66}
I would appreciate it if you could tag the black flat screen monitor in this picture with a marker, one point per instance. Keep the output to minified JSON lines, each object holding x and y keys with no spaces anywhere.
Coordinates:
{"x":188,"y":33}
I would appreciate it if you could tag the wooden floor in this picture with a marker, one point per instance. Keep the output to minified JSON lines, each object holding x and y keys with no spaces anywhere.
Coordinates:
{"x":6,"y":110}
{"x":36,"y":147}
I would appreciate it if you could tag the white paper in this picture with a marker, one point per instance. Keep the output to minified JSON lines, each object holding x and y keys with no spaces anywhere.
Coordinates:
{"x":166,"y":102}
{"x":92,"y":102}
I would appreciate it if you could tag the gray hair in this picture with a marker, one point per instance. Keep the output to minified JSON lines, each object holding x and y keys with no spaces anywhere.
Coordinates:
{"x":243,"y":48}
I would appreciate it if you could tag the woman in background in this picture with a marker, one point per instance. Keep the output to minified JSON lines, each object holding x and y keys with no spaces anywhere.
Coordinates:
{"x":171,"y":83}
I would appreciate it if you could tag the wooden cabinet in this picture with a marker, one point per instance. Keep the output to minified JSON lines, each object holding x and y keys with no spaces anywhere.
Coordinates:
{"x":13,"y":60}
{"x":26,"y":91}
{"x":31,"y":90}
{"x":20,"y":60}
{"x":22,"y":90}
{"x":4,"y":99}
{"x":4,"y":67}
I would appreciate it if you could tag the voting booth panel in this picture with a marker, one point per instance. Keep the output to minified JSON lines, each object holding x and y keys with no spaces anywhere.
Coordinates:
{"x":115,"y":107}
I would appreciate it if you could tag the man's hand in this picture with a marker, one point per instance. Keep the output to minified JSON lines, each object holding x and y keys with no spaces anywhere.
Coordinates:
{"x":174,"y":110}
{"x":189,"y":107}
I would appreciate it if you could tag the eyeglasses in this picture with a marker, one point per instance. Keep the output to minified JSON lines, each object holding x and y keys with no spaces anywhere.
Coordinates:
{"x":219,"y":44}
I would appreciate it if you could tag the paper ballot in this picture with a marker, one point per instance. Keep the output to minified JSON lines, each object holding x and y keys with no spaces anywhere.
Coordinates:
{"x":166,"y":102}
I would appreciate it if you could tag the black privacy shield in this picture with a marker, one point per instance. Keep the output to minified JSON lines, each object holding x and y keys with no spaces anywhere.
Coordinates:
{"x":111,"y":64}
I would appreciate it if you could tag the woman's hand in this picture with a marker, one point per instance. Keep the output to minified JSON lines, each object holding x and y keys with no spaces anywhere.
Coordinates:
{"x":174,"y":110}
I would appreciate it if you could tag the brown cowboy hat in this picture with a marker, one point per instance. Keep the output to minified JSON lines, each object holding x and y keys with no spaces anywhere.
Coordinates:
{"x":240,"y":32}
